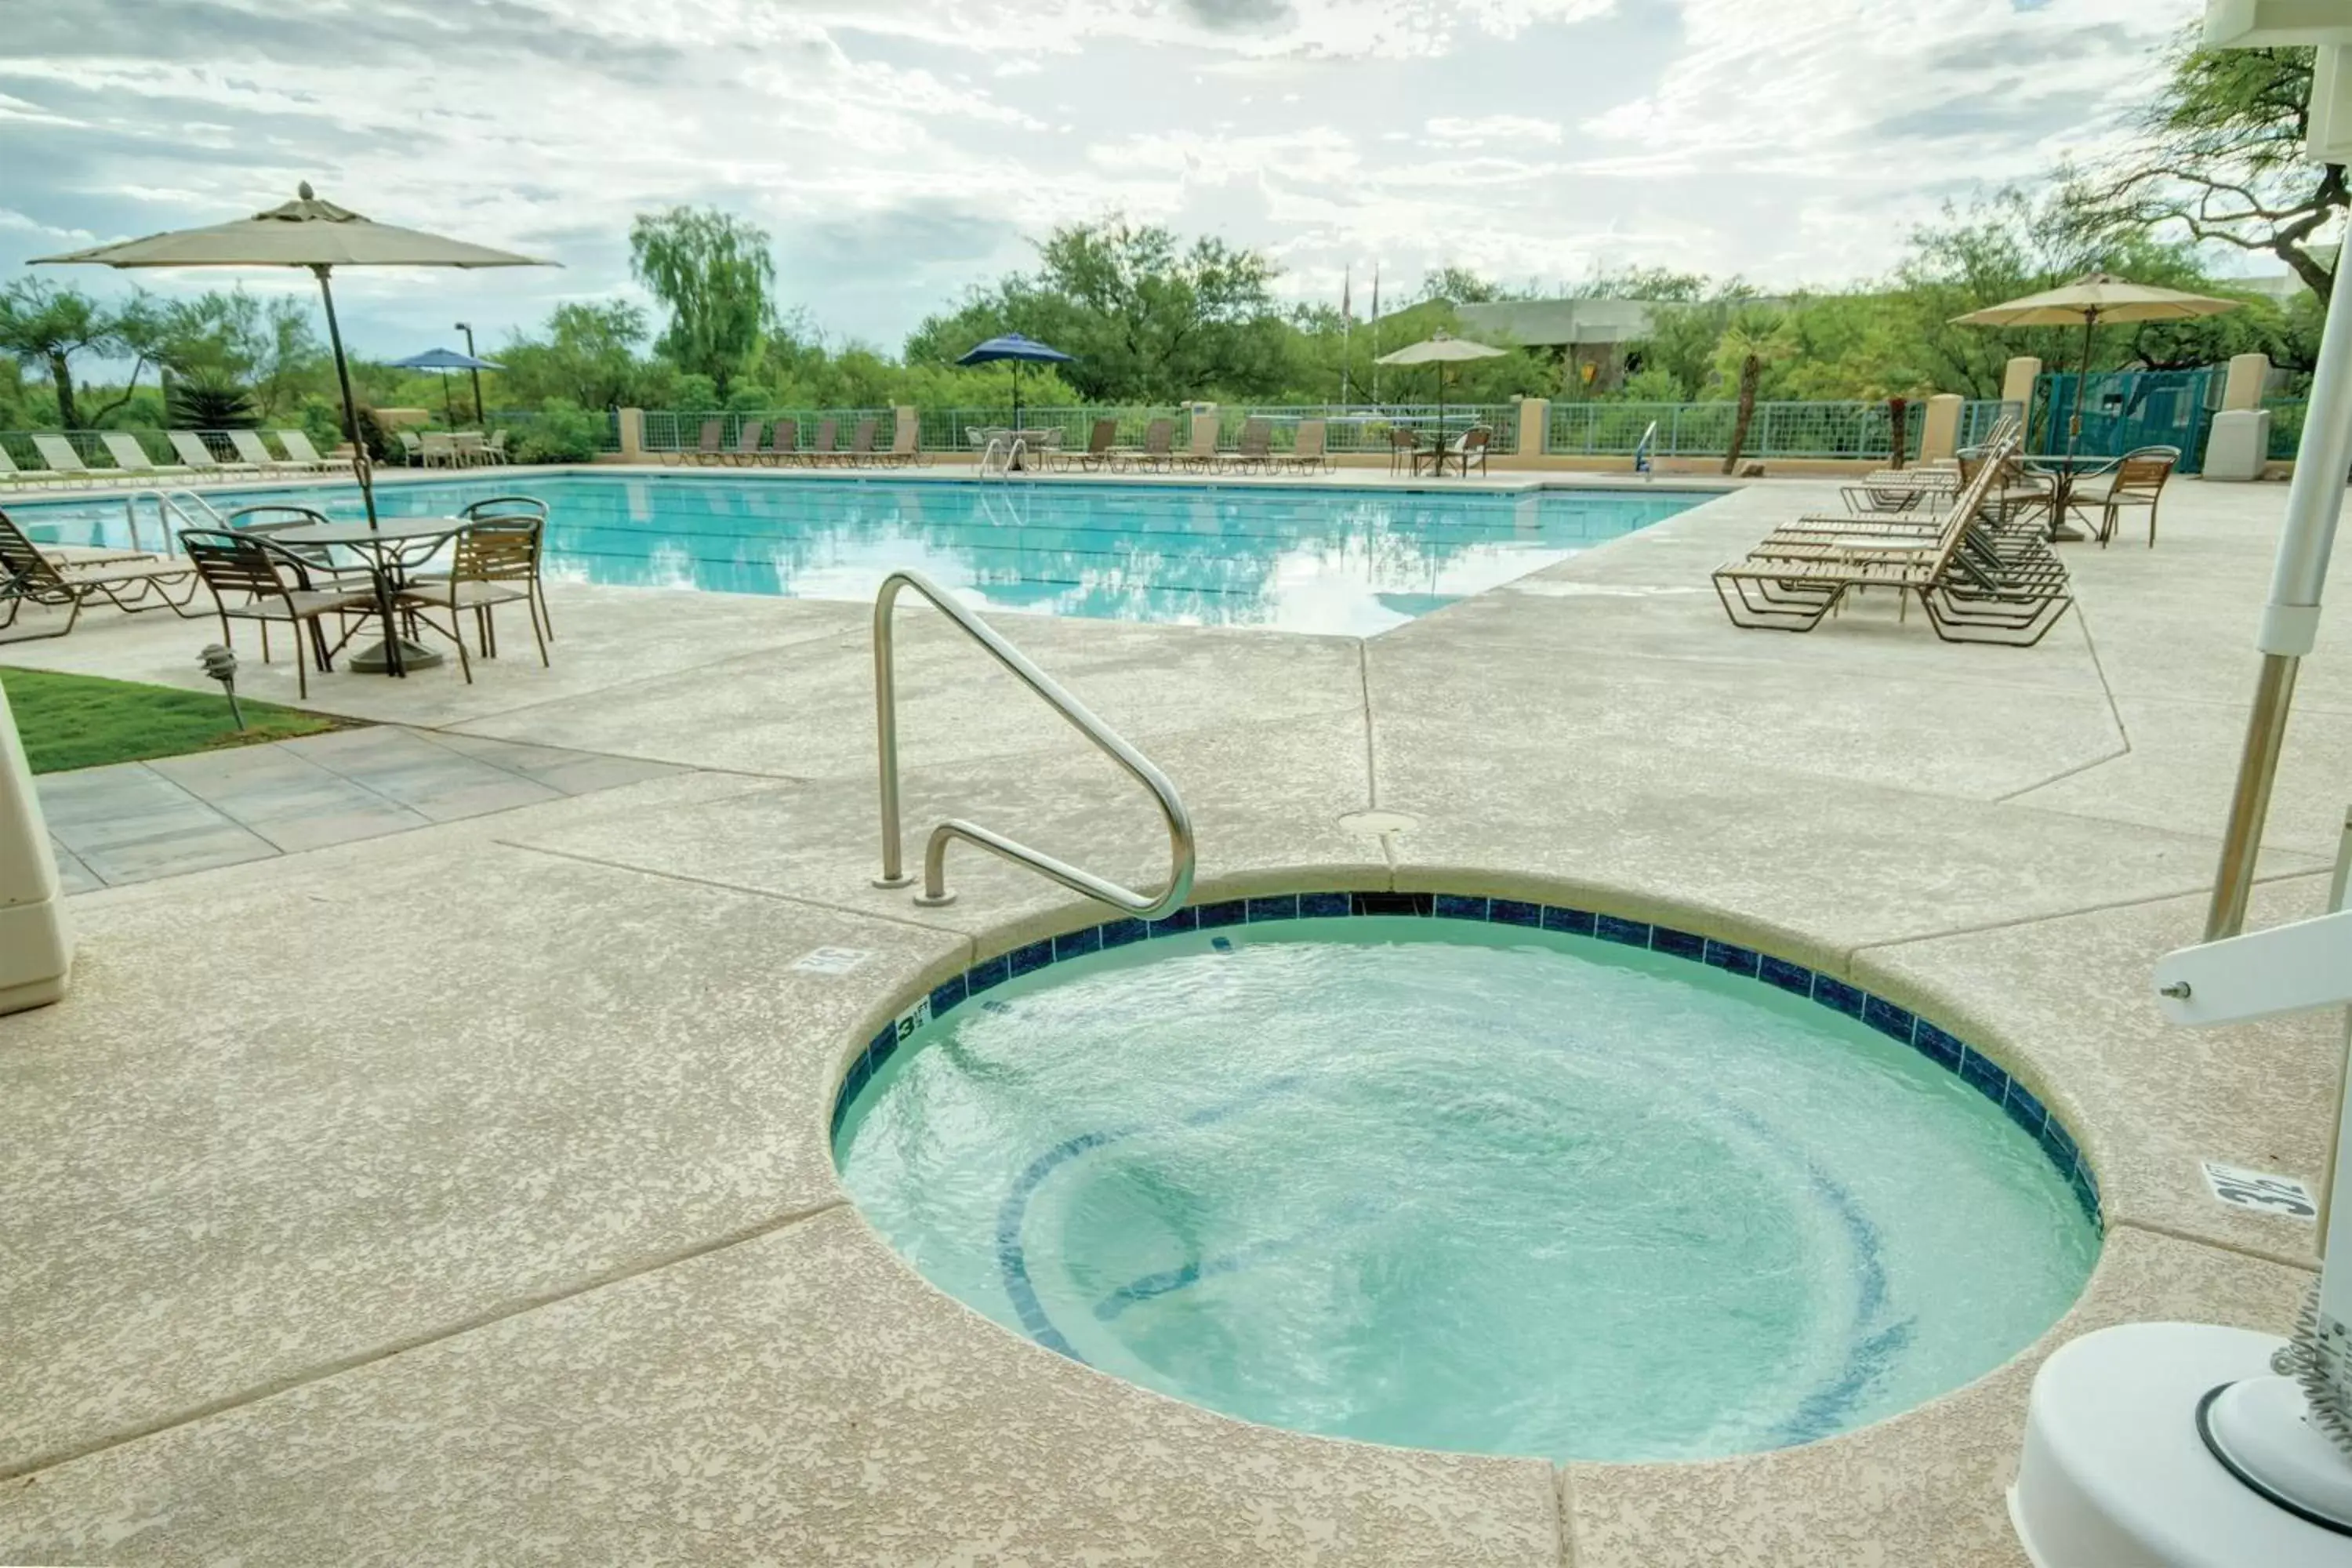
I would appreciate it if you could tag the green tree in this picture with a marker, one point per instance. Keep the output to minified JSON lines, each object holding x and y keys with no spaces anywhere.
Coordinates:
{"x":589,"y":356}
{"x":714,"y":272}
{"x":2220,"y":159}
{"x":1149,"y":318}
{"x":45,"y":326}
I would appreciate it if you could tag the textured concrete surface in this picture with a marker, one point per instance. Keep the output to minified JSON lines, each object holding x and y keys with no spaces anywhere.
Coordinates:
{"x":798,"y":1398}
{"x":461,"y":1192}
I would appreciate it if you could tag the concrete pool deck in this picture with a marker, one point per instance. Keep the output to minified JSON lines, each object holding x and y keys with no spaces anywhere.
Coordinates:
{"x":463,"y":1192}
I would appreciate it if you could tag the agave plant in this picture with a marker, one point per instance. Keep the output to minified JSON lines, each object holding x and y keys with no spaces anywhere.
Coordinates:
{"x":208,"y":400}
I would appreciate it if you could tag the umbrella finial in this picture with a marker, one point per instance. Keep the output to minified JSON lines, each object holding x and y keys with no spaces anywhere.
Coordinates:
{"x":304,"y":191}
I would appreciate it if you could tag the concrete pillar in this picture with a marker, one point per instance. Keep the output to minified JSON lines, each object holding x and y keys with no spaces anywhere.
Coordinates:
{"x":36,"y":943}
{"x":633,"y":435}
{"x":2243,"y":388}
{"x":1535,"y":425}
{"x":1939,"y":438}
{"x":2017,"y":382}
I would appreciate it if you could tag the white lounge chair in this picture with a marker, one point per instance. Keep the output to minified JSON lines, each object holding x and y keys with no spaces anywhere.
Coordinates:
{"x":131,"y":457}
{"x":199,"y":458}
{"x":256,"y":452}
{"x":299,"y":449}
{"x":63,"y":460}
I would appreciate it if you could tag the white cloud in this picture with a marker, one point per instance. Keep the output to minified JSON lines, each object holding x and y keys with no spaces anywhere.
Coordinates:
{"x":1508,"y":129}
{"x":899,"y":150}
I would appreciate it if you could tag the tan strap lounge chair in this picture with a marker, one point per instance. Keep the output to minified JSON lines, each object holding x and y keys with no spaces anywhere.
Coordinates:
{"x":1158,"y":450}
{"x":1254,"y":450}
{"x":906,"y":440}
{"x":707,"y":446}
{"x":133,"y":459}
{"x":198,"y":456}
{"x":1100,"y":453}
{"x":30,"y":576}
{"x":300,"y":450}
{"x":1309,"y":449}
{"x":861,"y":443}
{"x":1201,"y":452}
{"x":1972,"y":589}
{"x":411,"y":447}
{"x":746,"y":449}
{"x":256,"y":452}
{"x":784,"y":443}
{"x":64,"y":461}
{"x":820,"y":447}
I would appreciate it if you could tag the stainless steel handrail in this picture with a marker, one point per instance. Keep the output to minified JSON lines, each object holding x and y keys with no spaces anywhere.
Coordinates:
{"x":167,"y":506}
{"x":1181,"y":848}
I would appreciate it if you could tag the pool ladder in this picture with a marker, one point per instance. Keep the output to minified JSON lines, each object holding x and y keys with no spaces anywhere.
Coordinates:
{"x":191,"y":509}
{"x":1004,"y":454}
{"x":1181,"y":848}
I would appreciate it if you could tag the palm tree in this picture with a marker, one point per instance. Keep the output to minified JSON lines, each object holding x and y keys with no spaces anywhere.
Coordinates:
{"x":1753,"y":340}
{"x":44,"y":325}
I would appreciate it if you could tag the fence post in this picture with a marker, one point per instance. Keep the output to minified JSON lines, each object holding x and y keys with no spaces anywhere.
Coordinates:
{"x":2016,"y":384}
{"x":2244,"y":389}
{"x":1535,"y":426}
{"x":1939,"y":438}
{"x":631,"y":428}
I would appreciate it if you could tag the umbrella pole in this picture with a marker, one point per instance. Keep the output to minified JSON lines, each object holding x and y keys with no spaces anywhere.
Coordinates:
{"x":350,"y":404}
{"x":2314,"y":498}
{"x":447,"y":408}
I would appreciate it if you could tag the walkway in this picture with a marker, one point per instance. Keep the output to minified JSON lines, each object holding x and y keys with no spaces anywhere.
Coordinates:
{"x":136,"y":821}
{"x":465,"y":1193}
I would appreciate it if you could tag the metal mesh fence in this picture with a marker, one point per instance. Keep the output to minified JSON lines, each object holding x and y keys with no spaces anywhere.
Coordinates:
{"x":2286,"y":427}
{"x":1854,"y":430}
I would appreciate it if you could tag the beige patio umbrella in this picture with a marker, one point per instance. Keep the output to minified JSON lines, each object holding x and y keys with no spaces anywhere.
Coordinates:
{"x":2093,"y":300}
{"x":304,"y":232}
{"x":1441,"y":349}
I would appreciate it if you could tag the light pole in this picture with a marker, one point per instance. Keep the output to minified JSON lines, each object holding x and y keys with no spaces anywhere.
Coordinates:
{"x":467,"y":328}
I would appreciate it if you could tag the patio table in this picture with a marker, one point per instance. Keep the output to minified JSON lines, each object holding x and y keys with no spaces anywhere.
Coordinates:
{"x":383,"y":549}
{"x":2065,"y":472}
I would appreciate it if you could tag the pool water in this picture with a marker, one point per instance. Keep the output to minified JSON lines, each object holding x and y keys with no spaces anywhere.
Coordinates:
{"x":1489,"y":1190}
{"x":1351,"y":562}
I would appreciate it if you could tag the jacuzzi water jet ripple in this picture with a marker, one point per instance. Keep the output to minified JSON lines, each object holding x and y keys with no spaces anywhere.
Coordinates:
{"x":1528,"y":1180}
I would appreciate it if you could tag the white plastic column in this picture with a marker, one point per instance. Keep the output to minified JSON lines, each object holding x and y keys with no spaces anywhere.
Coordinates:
{"x":35,"y":947}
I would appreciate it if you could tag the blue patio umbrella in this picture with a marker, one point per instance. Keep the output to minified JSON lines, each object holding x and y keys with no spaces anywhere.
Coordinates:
{"x":445,"y":361}
{"x":1018,"y":351}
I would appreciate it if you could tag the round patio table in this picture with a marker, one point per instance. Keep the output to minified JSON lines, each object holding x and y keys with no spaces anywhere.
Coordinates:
{"x":2065,"y":472}
{"x":381,"y":548}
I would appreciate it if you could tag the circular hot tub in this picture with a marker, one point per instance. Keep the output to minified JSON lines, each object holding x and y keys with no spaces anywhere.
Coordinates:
{"x":1471,"y":1174}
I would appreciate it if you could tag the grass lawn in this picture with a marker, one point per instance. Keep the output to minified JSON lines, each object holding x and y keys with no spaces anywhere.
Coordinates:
{"x":81,"y":720}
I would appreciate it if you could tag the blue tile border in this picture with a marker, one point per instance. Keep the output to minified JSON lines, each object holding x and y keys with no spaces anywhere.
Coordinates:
{"x":1942,"y":1049}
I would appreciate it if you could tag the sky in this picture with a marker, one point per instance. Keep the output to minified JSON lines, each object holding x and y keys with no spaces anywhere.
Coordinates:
{"x":902,"y":151}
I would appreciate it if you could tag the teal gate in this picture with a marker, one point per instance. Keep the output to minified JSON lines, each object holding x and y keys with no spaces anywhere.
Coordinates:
{"x":2128,"y":408}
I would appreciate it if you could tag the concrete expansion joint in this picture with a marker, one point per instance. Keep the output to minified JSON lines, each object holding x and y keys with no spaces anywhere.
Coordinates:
{"x":1854,"y":952}
{"x":2305,"y":1262}
{"x":336,"y":1367}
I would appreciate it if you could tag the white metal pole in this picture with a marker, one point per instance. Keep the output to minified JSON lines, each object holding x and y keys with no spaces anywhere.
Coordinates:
{"x":2291,"y":619}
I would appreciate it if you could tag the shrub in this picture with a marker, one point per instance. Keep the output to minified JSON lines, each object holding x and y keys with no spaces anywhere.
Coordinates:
{"x":563,"y":432}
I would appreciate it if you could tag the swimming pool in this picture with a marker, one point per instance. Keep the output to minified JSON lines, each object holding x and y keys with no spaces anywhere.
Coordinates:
{"x":1522,"y":1181}
{"x":1350,"y":561}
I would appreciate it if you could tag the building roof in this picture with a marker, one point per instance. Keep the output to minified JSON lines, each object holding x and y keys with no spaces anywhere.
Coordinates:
{"x":1548,"y":324}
